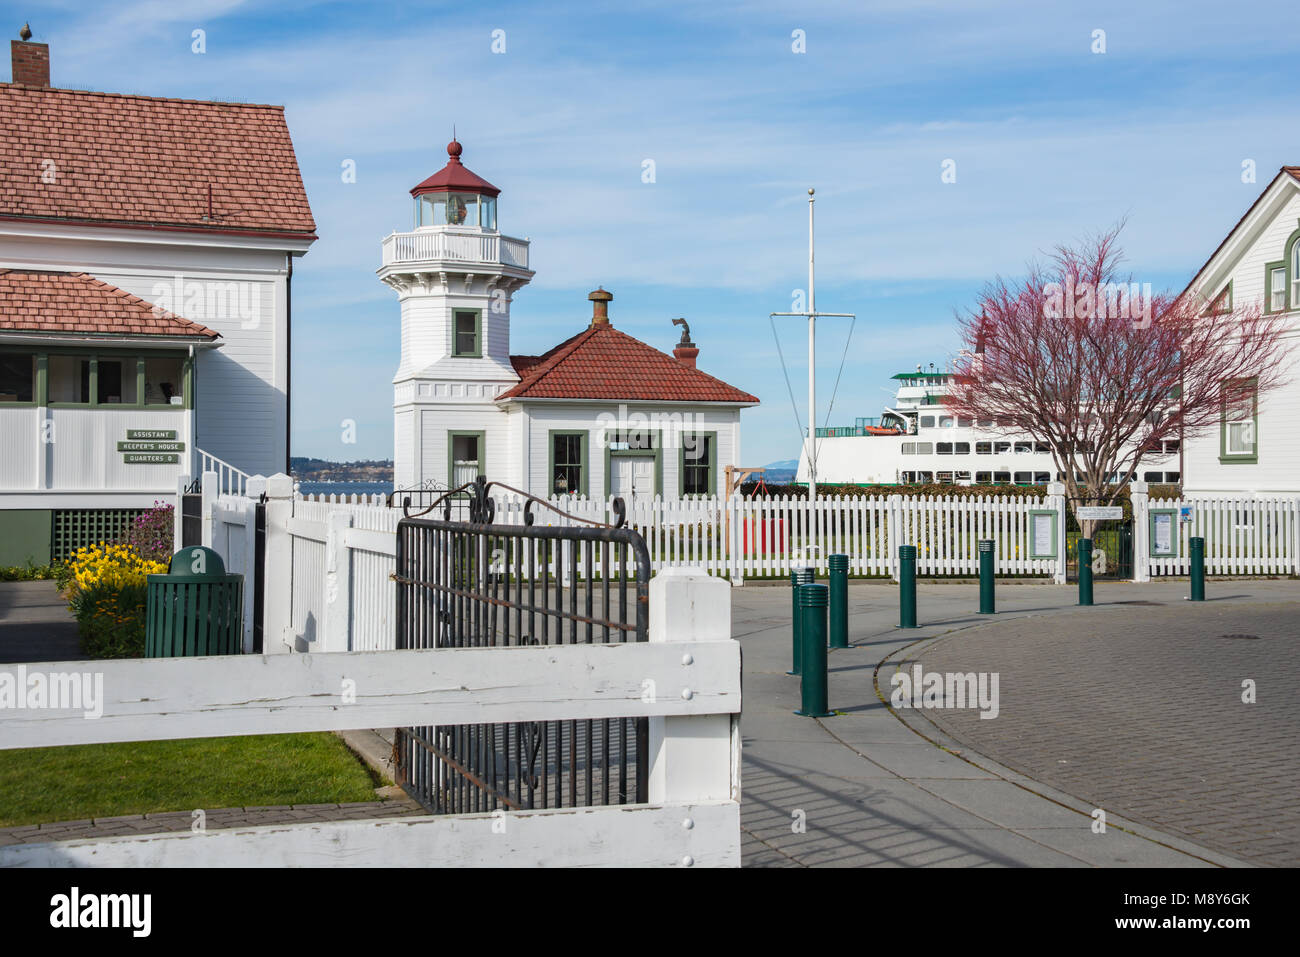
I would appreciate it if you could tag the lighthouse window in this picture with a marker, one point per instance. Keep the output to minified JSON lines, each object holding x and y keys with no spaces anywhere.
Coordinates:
{"x":466,"y":333}
{"x":487,"y":206}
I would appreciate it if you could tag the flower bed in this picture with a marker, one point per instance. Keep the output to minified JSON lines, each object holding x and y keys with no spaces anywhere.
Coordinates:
{"x":105,"y":586}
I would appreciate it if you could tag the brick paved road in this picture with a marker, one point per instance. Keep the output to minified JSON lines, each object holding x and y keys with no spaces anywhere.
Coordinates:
{"x":1137,"y":709}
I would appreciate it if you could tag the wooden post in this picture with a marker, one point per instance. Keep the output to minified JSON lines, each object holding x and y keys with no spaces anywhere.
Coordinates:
{"x":338,"y":585}
{"x":695,"y":758}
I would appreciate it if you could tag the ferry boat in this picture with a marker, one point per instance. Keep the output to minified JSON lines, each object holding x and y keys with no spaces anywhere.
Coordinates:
{"x":919,"y":440}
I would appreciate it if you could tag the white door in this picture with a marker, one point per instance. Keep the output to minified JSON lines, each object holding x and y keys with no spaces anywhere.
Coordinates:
{"x":634,"y":476}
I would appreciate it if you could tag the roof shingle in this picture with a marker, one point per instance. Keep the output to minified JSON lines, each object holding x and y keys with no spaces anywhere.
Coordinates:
{"x":602,"y":363}
{"x":114,"y":158}
{"x":73,"y":303}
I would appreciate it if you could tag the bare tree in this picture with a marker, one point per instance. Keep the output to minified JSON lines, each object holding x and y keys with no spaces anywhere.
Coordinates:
{"x":1102,"y":370}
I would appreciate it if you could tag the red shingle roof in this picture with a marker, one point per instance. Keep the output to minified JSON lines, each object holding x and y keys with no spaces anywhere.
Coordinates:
{"x":602,"y":363}
{"x":73,"y":303}
{"x":147,"y":160}
{"x":454,"y":176}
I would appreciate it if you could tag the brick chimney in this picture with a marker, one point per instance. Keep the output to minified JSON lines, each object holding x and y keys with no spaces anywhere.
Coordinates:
{"x":31,"y":61}
{"x":600,"y":306}
{"x":686,"y":351}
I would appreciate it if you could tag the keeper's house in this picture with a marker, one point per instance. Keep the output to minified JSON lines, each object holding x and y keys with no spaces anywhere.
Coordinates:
{"x":146,"y":254}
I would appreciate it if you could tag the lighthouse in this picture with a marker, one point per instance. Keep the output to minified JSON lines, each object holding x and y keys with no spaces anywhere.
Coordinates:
{"x":455,"y":276}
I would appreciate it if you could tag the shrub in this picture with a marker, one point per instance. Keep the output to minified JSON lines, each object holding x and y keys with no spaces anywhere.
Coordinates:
{"x":28,"y":573}
{"x":106,"y":588}
{"x":151,"y":533}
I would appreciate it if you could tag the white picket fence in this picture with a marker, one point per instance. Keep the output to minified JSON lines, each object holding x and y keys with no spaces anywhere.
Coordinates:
{"x":1257,"y":536}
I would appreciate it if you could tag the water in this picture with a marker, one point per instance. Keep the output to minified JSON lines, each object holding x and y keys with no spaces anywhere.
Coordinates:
{"x":345,"y":488}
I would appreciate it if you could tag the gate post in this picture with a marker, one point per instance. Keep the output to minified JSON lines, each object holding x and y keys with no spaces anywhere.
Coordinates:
{"x":178,"y":515}
{"x":211,"y":491}
{"x":1056,"y":500}
{"x":277,"y":587}
{"x":895,"y":530}
{"x":694,"y":758}
{"x":1141,"y":531}
{"x":338,"y":585}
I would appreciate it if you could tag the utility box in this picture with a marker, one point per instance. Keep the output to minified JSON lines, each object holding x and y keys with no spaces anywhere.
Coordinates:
{"x":197,"y":608}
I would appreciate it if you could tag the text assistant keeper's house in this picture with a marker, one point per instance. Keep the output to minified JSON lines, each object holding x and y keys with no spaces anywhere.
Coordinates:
{"x":146,"y":259}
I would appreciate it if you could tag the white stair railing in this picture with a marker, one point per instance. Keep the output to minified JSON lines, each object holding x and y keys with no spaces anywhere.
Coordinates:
{"x":230,"y":480}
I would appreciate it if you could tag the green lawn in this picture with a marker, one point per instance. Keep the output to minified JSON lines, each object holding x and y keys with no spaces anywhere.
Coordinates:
{"x":40,"y":785}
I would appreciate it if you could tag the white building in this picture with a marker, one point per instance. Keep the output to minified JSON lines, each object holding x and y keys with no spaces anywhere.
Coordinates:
{"x":600,"y":414}
{"x":147,"y":249}
{"x":1256,"y":447}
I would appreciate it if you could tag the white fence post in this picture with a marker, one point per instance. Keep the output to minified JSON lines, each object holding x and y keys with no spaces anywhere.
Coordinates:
{"x":1056,"y":500}
{"x":178,"y":522}
{"x":1140,"y":500}
{"x":211,"y":486}
{"x":338,"y":585}
{"x":694,"y":758}
{"x":895,"y":530}
{"x":277,"y":621}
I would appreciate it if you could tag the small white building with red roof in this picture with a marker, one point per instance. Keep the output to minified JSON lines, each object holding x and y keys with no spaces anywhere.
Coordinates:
{"x":146,"y":260}
{"x":600,"y":414}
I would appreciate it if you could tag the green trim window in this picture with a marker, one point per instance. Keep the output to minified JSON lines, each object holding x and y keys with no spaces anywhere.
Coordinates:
{"x":1239,"y":422}
{"x":1294,"y":264}
{"x":466,"y":457}
{"x":568,"y":463}
{"x":698,"y":464}
{"x":1164,"y":536}
{"x":17,"y":378}
{"x":1275,"y":285}
{"x":466,"y":333}
{"x":119,"y":379}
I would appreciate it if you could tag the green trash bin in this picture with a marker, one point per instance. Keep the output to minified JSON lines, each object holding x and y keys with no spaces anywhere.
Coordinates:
{"x":197,"y":608}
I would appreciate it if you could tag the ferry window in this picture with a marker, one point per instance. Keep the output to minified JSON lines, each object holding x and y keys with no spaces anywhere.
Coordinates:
{"x":909,"y":448}
{"x":943,"y":448}
{"x":164,"y":380}
{"x":961,"y":448}
{"x":945,"y":478}
{"x":1024,"y":478}
{"x":116,"y":381}
{"x":17,"y":374}
{"x":946,"y":422}
{"x":1041,"y":478}
{"x":927,"y":422}
{"x":983,"y":448}
{"x":963,"y":476}
{"x":925,"y":477}
{"x":1004,"y":421}
{"x":1042,"y":447}
{"x":1173,"y":477}
{"x":983,"y":478}
{"x":1172,"y":445}
{"x":987,"y":423}
{"x":69,"y":379}
{"x":964,"y":422}
{"x":1001,"y":478}
{"x":924,"y":448}
{"x":1001,"y":448}
{"x":1024,"y":447}
{"x":1153,"y":476}
{"x":466,"y":336}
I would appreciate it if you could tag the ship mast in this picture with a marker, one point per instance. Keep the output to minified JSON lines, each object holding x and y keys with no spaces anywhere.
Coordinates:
{"x":812,"y":315}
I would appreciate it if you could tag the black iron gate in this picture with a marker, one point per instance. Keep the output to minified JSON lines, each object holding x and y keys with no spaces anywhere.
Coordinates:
{"x":1112,"y":548}
{"x":191,"y":518}
{"x":473,"y":584}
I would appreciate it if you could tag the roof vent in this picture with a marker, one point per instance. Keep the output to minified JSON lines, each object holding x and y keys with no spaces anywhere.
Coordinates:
{"x":600,"y":306}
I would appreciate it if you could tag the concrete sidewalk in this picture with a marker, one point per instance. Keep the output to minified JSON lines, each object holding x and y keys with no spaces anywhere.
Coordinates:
{"x":864,"y":788}
{"x":36,"y":625}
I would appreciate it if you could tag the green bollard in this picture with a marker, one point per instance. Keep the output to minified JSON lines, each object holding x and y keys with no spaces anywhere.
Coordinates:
{"x":1198,"y":568}
{"x":907,"y":586}
{"x":987,"y":560}
{"x":813,"y":601}
{"x":1085,"y":571}
{"x":839,"y":566}
{"x":798,"y":577}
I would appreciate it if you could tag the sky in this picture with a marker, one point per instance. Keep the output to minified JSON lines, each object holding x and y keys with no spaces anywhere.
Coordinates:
{"x":1052,"y":121}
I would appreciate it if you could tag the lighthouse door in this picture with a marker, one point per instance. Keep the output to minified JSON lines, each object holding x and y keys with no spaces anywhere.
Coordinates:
{"x":634,"y":476}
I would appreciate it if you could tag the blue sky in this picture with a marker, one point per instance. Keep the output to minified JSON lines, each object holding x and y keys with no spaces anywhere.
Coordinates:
{"x":1051,"y":141}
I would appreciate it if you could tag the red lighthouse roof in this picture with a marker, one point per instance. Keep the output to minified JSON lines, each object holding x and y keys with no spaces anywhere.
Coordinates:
{"x":455,"y":178}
